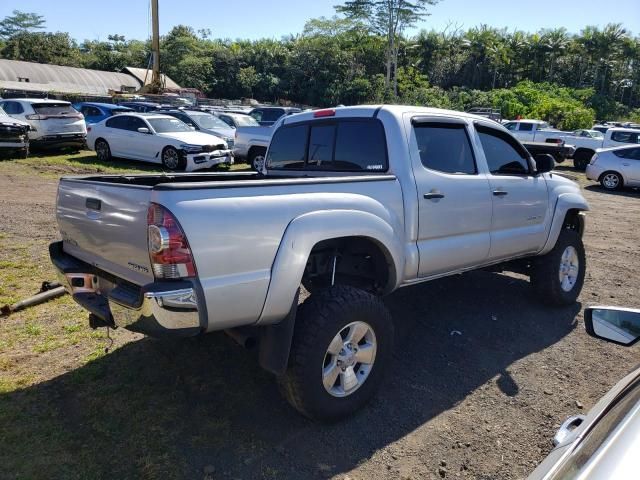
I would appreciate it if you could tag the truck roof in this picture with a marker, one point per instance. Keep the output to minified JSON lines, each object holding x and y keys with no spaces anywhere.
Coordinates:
{"x":372,"y":110}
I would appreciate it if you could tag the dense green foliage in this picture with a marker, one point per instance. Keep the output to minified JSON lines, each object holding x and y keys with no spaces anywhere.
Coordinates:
{"x":569,"y":79}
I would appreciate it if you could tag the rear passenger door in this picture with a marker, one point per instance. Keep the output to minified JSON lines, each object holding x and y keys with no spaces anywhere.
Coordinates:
{"x":115,"y":133}
{"x":521,"y":213}
{"x":454,"y":201}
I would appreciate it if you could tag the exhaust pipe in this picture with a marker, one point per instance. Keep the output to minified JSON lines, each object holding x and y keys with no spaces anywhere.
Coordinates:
{"x":241,"y":337}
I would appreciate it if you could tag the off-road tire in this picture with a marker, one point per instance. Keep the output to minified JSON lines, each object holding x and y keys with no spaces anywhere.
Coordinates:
{"x":545,"y":271}
{"x":319,"y":319}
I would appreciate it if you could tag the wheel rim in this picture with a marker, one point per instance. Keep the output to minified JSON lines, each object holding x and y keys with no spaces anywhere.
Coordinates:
{"x":170,"y":158}
{"x":349,"y":359}
{"x":102,"y":150}
{"x":611,"y":180}
{"x":569,"y":268}
{"x":258,"y":162}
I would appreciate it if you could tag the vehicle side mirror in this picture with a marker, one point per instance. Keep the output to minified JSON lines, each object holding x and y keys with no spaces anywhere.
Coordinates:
{"x":544,"y":162}
{"x":192,"y":127}
{"x":143,"y":130}
{"x":616,"y":325}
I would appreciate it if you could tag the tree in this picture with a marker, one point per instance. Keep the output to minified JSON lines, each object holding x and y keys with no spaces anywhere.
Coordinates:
{"x":20,"y":22}
{"x":56,"y":48}
{"x":388,"y":18}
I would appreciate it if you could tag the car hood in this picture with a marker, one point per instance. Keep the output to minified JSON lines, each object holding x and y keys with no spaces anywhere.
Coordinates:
{"x":220,"y":132}
{"x":192,"y":138}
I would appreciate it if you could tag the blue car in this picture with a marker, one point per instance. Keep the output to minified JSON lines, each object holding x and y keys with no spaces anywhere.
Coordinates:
{"x":96,"y":112}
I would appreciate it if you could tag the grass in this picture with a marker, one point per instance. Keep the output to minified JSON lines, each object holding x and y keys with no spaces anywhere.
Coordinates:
{"x":68,"y":408}
{"x":83,"y":162}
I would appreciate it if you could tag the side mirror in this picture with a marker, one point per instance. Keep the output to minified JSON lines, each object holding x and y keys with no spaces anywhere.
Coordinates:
{"x":616,"y":325}
{"x":192,"y":127}
{"x":143,"y":130}
{"x":544,"y":162}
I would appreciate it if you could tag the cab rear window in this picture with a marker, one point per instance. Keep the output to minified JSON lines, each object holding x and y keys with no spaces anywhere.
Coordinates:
{"x":349,"y":145}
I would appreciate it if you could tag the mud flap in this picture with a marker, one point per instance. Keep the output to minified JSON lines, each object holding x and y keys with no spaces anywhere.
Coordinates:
{"x":275,"y":342}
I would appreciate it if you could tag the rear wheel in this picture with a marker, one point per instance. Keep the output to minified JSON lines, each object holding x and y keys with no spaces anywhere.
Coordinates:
{"x":611,"y":181}
{"x":172,"y":160}
{"x":342,"y":344}
{"x":581,"y":159}
{"x":558,"y":276}
{"x":103,"y":152}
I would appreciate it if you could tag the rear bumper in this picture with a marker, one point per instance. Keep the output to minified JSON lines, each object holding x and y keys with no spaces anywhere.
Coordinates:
{"x":158,"y":309}
{"x":593,"y":172}
{"x":60,"y":140}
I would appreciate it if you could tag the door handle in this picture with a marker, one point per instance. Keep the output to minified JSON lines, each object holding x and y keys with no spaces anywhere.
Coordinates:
{"x":433,"y":195}
{"x":500,"y":193}
{"x":625,"y":164}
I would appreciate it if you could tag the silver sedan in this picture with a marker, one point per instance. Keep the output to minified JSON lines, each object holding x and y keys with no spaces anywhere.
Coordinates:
{"x":616,"y":167}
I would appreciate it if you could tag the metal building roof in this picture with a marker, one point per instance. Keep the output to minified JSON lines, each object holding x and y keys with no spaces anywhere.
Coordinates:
{"x":144,"y":77}
{"x":56,"y":78}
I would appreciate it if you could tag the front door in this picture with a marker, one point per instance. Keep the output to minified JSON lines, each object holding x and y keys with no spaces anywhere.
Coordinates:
{"x":521,"y":214}
{"x":454,"y":201}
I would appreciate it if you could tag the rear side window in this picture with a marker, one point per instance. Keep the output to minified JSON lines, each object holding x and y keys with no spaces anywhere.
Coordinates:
{"x":504,"y":155}
{"x":633,"y":153}
{"x":360,"y":145}
{"x":13,"y":108}
{"x":526,"y":127}
{"x":54,"y":109}
{"x":343,"y":145}
{"x":624,"y":137}
{"x":272,"y":115}
{"x":120,"y":121}
{"x":445,"y":147}
{"x":288,"y":148}
{"x":89,"y":111}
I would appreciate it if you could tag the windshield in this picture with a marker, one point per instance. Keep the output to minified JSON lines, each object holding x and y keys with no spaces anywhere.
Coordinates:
{"x":166,"y":125}
{"x":245,"y":121}
{"x":207,"y":121}
{"x":3,"y":113}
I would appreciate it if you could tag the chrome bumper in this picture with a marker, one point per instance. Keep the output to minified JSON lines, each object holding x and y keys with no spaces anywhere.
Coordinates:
{"x":157,"y":309}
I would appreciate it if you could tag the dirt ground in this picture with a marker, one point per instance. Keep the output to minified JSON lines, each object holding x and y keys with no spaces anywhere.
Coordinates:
{"x":481,"y":404}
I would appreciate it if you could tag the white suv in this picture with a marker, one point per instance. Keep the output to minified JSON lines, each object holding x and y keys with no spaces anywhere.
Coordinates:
{"x":53,"y":122}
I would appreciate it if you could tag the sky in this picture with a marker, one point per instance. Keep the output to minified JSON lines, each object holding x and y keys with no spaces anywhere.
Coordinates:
{"x":252,"y":19}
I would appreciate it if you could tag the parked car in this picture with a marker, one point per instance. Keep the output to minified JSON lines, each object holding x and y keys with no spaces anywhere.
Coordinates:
{"x":14,"y":136}
{"x":267,"y":116}
{"x":586,"y":145}
{"x":53,"y":123}
{"x":605,"y":443}
{"x":235,"y":120}
{"x":430,"y":193}
{"x":157,"y":138}
{"x":141,"y":107}
{"x":205,"y":123}
{"x":251,"y":144}
{"x":615,"y":167}
{"x":601,"y":128}
{"x":96,"y":112}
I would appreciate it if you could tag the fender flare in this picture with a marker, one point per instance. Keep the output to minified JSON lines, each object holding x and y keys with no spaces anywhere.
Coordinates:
{"x":564,"y":203}
{"x":303,"y":233}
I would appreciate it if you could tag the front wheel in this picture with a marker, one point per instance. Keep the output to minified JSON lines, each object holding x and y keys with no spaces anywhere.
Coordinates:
{"x":257,"y":159}
{"x":172,"y":160}
{"x":342,"y":344}
{"x":558,"y":276}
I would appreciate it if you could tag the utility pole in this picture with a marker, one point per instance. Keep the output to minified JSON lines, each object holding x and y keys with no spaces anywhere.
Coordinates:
{"x":156,"y":79}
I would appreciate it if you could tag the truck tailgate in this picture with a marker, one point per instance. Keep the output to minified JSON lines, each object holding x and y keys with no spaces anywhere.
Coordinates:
{"x":106,"y":225}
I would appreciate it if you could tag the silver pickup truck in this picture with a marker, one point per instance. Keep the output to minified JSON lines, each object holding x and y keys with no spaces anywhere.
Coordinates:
{"x":355,"y":203}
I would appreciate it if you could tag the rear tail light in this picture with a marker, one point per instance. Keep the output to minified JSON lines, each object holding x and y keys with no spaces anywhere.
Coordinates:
{"x":36,"y":117}
{"x":593,"y":159}
{"x":168,"y":247}
{"x":88,"y":128}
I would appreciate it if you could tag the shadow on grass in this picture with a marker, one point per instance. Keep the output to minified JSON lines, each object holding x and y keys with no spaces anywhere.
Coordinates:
{"x":166,"y":410}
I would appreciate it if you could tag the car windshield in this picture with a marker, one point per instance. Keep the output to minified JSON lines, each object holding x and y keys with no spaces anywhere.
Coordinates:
{"x":245,"y":121}
{"x":207,"y":121}
{"x":3,"y":113}
{"x":166,"y":125}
